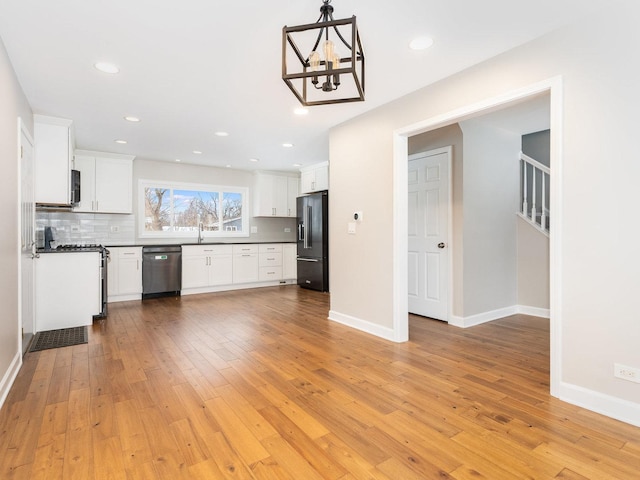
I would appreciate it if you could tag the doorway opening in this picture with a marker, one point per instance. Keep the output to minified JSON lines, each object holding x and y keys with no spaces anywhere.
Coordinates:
{"x":550,"y":88}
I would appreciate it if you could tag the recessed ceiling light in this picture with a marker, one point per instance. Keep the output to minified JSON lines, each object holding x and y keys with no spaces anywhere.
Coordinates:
{"x":122,"y":142}
{"x":421,"y":43}
{"x":297,"y":164}
{"x":253,"y":160}
{"x":197,"y":152}
{"x":105,"y":67}
{"x":287,"y":145}
{"x":178,"y":160}
{"x":301,"y":111}
{"x":228,"y":166}
{"x":129,"y":118}
{"x":222,"y":134}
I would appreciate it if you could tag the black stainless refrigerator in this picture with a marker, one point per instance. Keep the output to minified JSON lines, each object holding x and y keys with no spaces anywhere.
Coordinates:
{"x":313,"y":241}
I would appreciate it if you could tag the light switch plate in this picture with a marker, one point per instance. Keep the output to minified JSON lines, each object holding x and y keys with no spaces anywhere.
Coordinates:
{"x":254,"y":229}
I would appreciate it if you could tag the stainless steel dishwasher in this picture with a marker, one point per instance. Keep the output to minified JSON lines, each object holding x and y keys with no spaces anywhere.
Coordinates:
{"x":161,"y":270}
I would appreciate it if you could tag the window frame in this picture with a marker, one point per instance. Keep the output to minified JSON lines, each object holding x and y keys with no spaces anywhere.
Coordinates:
{"x":172,"y":186}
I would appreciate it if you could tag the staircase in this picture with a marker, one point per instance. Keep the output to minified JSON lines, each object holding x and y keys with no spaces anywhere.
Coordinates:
{"x":534,"y":189}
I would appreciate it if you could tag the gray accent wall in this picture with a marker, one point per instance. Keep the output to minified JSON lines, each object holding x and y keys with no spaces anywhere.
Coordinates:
{"x":537,"y":145}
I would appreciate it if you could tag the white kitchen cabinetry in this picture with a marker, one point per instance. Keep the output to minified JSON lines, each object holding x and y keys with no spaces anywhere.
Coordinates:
{"x":106,"y":182}
{"x":68,"y":289}
{"x":53,"y":154}
{"x":221,"y":267}
{"x":289,"y":261}
{"x":245,"y":263}
{"x":274,"y":195}
{"x":206,"y":265}
{"x":124,"y":274}
{"x":270,"y":261}
{"x":314,"y":178}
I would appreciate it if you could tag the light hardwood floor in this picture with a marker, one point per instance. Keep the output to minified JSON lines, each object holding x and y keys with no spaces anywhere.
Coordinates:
{"x":260,"y":385}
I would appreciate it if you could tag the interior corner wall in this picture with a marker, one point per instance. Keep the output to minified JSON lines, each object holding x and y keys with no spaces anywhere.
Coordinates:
{"x":450,"y":135}
{"x":490,"y":189}
{"x":533,"y":266}
{"x":12,"y":106}
{"x":596,"y":253}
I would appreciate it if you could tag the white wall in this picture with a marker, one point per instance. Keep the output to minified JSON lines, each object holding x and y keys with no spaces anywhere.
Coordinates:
{"x":491,"y":190}
{"x":13,"y":104}
{"x":598,"y":258}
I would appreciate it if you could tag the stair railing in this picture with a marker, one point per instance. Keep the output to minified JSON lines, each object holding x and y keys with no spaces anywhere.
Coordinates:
{"x":533,"y":171}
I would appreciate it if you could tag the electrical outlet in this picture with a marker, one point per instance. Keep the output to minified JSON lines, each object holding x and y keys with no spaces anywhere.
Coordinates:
{"x":287,"y":230}
{"x":626,"y":373}
{"x":115,"y":228}
{"x":75,"y":228}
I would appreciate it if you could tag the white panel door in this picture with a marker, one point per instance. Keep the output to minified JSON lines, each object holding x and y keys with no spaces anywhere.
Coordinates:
{"x":428,"y":255}
{"x":27,"y":238}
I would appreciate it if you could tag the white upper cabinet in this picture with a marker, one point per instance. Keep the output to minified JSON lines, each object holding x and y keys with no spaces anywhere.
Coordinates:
{"x":106,"y":182}
{"x":274,"y":195}
{"x":53,"y":153}
{"x":314,"y":178}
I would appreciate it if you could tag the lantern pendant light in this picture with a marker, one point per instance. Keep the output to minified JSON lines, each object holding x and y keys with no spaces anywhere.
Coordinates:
{"x":335,"y":78}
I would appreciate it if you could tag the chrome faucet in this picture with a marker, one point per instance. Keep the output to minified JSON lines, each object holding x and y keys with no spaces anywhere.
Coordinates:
{"x":200,"y":228}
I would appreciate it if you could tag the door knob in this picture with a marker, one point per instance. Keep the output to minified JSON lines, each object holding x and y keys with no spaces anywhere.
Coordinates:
{"x":441,"y":245}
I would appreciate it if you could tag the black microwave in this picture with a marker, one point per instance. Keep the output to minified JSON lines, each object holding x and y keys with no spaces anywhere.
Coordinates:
{"x":75,"y":187}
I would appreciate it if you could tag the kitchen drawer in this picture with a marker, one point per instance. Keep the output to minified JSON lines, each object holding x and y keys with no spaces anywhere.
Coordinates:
{"x":217,"y":249}
{"x":244,"y":249}
{"x":270,"y":273}
{"x":270,"y":248}
{"x":128,"y":252}
{"x":270,"y":259}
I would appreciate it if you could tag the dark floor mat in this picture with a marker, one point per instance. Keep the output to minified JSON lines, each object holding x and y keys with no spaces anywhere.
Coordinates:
{"x":64,"y":337}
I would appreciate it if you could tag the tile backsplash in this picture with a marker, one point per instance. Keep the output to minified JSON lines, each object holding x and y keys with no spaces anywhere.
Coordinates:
{"x":84,"y":228}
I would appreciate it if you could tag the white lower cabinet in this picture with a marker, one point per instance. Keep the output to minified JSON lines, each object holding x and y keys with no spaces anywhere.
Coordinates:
{"x":289,"y":261}
{"x":206,"y":265}
{"x":245,"y":263}
{"x":270,"y":261}
{"x":67,"y":289}
{"x":213,"y":268}
{"x":124,"y":274}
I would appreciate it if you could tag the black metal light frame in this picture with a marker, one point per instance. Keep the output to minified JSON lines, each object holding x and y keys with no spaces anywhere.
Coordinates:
{"x":355,"y":70}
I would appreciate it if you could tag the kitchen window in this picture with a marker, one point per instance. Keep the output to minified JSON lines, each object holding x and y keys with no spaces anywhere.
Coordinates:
{"x":181,"y":210}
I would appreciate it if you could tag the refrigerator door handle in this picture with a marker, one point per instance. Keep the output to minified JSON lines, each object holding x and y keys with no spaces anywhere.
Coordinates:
{"x":307,"y":224}
{"x":308,"y":259}
{"x":300,"y":232}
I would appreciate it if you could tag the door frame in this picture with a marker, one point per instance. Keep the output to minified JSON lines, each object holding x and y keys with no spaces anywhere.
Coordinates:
{"x":449,"y":260}
{"x":22,"y":130}
{"x":554,"y":88}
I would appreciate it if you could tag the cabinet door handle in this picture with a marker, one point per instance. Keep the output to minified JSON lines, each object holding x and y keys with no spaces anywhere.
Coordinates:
{"x":137,"y":264}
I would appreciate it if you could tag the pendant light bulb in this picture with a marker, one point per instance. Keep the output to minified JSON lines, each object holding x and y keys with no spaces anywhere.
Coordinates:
{"x":314,"y":61}
{"x":328,"y":52}
{"x":335,"y":61}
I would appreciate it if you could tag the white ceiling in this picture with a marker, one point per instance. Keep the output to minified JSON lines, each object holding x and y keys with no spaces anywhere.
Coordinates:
{"x":193,"y":67}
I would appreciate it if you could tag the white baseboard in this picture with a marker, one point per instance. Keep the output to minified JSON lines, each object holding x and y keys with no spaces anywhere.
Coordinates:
{"x":479,"y":318}
{"x":534,"y":311}
{"x":238,"y":286}
{"x":623,"y":410}
{"x":9,"y":377}
{"x":123,"y":298}
{"x":362,"y":325}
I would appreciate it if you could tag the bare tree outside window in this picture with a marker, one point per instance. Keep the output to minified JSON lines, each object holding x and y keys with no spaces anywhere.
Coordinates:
{"x":156,"y":209}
